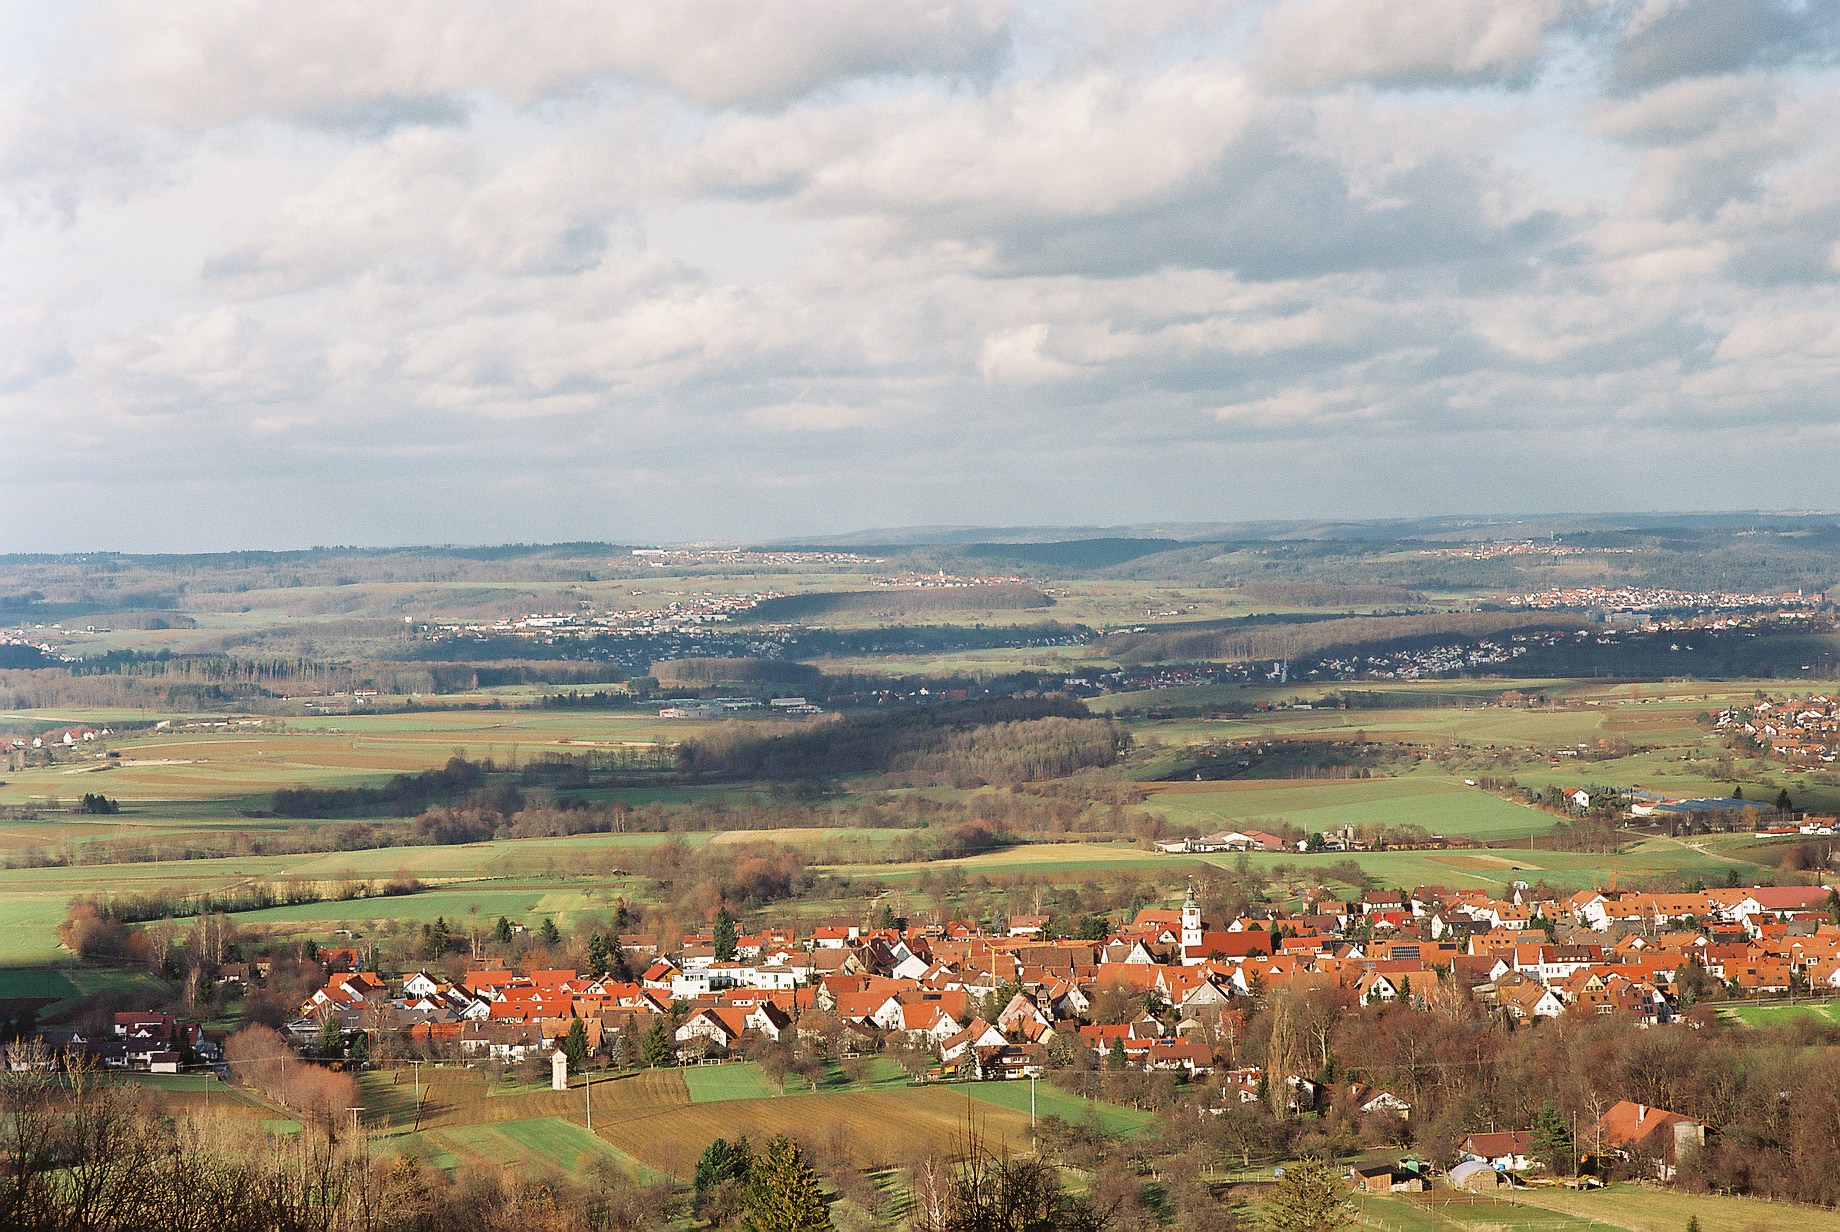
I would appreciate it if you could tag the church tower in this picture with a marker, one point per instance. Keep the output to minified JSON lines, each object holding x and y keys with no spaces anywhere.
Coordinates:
{"x":1191,"y":922}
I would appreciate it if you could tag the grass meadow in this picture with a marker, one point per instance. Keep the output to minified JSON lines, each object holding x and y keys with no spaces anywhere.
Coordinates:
{"x":1441,"y":805}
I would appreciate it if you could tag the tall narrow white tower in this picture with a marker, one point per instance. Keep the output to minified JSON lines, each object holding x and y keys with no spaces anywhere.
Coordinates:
{"x":1191,"y":922}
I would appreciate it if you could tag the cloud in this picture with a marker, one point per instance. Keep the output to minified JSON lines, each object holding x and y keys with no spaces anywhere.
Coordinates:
{"x":1090,"y":144}
{"x":1407,"y":43}
{"x":37,"y":349}
{"x":436,"y":204}
{"x":349,"y":63}
{"x":564,"y":269}
{"x":809,"y":417}
{"x":1019,"y":355}
{"x":1670,"y":39}
{"x":1106,"y":175}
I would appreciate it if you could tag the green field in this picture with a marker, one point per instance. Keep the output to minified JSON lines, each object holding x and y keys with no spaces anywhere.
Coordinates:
{"x":64,"y":987}
{"x":1641,"y":1208}
{"x":1441,"y":805}
{"x":736,"y":1080}
{"x":541,"y":1142}
{"x":1052,"y":1101}
{"x":188,"y":785}
{"x":1781,"y":1014}
{"x":1447,"y":1212}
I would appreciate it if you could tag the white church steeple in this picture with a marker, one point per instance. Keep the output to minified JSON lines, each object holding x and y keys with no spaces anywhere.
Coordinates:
{"x":1191,"y":922}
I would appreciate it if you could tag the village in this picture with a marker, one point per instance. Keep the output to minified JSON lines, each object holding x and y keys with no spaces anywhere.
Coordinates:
{"x":1800,"y":730}
{"x":1163,"y":994}
{"x":1636,"y":599}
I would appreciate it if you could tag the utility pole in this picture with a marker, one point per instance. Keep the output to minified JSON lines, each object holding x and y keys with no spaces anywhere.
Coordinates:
{"x":1031,"y":1111}
{"x":587,"y":1086}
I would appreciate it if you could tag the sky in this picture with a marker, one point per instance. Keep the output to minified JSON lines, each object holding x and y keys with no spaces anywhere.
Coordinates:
{"x":485,"y":271}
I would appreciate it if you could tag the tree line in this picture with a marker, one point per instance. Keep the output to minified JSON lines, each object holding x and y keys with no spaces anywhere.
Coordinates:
{"x":405,"y":793}
{"x":891,"y":741}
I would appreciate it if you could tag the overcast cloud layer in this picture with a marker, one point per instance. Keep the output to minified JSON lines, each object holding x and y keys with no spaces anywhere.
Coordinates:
{"x":482,"y":271}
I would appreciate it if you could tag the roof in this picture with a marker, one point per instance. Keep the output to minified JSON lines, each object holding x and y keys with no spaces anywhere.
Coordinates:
{"x":1493,"y":1146}
{"x":1629,"y":1123}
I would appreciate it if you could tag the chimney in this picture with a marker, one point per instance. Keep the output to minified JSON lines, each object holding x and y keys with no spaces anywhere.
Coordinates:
{"x":1641,"y":1113}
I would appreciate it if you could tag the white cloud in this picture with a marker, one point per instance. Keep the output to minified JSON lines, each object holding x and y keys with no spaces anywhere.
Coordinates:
{"x":1313,"y":43}
{"x":809,"y":417}
{"x":746,"y":251}
{"x":1020,"y":355}
{"x":1091,"y":144}
{"x":199,"y":63}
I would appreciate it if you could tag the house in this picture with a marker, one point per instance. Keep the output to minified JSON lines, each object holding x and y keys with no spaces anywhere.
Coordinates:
{"x":1527,"y":1000}
{"x":718,"y":1028}
{"x":1502,"y":1151}
{"x":1650,"y":1137}
{"x":1372,"y":1100}
{"x":501,"y":1041}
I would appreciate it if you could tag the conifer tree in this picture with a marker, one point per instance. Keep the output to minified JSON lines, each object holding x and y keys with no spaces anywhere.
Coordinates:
{"x":655,"y":1050}
{"x":784,"y":1195}
{"x":723,"y":1160}
{"x":629,"y":1056}
{"x":575,"y":1046}
{"x":331,"y":1043}
{"x":1309,"y":1197}
{"x":597,"y":956}
{"x":725,"y":936}
{"x":1549,"y":1141}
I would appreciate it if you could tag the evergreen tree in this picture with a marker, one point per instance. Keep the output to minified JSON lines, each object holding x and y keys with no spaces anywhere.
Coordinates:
{"x":656,"y":1049}
{"x":331,"y":1043}
{"x":501,"y":931}
{"x":783,"y":1194}
{"x":1309,"y":1197}
{"x":575,"y":1046}
{"x":629,"y":1048}
{"x":1550,"y":1141}
{"x":723,"y":1160}
{"x":887,"y":918}
{"x":435,"y":938}
{"x":1783,"y":803}
{"x":725,"y":936}
{"x":1092,"y":928}
{"x":552,"y":936}
{"x":1114,"y":1056}
{"x":618,"y":965}
{"x":597,"y":956}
